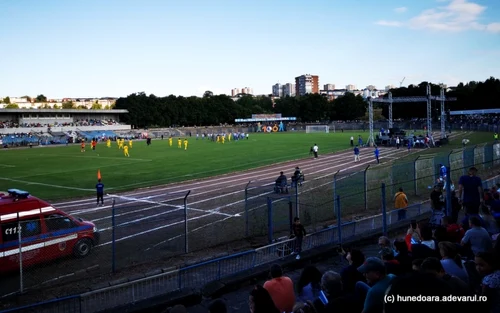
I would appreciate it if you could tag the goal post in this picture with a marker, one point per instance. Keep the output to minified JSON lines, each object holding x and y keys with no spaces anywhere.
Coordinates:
{"x":318,"y":129}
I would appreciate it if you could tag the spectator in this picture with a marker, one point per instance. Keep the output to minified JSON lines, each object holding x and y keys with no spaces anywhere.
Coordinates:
{"x":440,"y":234}
{"x":401,"y":204}
{"x":403,"y":256}
{"x":217,"y":306}
{"x":384,"y":242}
{"x":470,"y":194}
{"x":332,"y":297}
{"x":416,"y":265}
{"x":350,"y":275}
{"x":425,"y":247}
{"x":436,"y":198}
{"x":488,"y":267}
{"x":309,"y":284}
{"x":452,"y":261}
{"x":281,"y":289}
{"x":455,"y":207}
{"x":418,"y":284}
{"x":454,"y":232}
{"x":260,"y":301}
{"x":298,"y":231}
{"x":392,"y":266}
{"x":477,"y":237}
{"x":307,"y":307}
{"x":377,"y":277}
{"x":434,"y":266}
{"x":179,"y":308}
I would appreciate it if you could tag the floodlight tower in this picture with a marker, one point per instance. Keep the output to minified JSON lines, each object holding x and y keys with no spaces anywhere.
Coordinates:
{"x":429,"y":110}
{"x":390,"y":110}
{"x":443,"y":115}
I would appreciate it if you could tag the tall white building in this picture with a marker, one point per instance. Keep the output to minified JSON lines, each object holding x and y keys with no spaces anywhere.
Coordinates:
{"x":247,"y":91}
{"x":277,"y":90}
{"x":329,"y":87}
{"x":288,"y":89}
{"x":234,"y":92}
{"x":350,"y":87}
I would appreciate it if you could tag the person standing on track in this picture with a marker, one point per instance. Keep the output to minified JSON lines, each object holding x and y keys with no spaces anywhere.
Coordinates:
{"x":315,"y":151}
{"x":356,"y":154}
{"x":377,"y":153}
{"x":100,"y":191}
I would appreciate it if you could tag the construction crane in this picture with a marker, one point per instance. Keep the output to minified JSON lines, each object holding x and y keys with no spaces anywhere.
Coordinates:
{"x":401,"y":82}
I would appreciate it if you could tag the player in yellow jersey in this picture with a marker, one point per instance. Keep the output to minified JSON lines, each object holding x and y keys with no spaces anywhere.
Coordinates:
{"x":218,"y":138}
{"x":108,"y":143}
{"x":170,"y":139}
{"x":120,"y":143}
{"x":130,"y":143}
{"x":229,"y":137}
{"x":179,"y":143}
{"x":125,"y":151}
{"x":223,"y":139}
{"x":185,"y":144}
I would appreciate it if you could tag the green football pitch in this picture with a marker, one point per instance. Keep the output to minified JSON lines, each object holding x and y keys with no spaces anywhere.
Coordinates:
{"x":63,"y":172}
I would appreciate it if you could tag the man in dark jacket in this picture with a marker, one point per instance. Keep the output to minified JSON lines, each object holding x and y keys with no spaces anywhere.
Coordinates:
{"x":298,"y":231}
{"x":332,"y":297}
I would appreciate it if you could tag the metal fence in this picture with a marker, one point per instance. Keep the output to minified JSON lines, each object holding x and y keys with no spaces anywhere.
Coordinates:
{"x":198,"y":275}
{"x":351,"y":197}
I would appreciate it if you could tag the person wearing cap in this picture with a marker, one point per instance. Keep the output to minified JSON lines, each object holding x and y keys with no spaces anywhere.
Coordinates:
{"x":376,"y":276}
{"x":297,"y":177}
{"x":470,"y":195}
{"x":392,"y":265}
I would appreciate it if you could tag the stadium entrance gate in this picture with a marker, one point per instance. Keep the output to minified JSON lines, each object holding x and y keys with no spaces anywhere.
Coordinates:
{"x":279,"y":215}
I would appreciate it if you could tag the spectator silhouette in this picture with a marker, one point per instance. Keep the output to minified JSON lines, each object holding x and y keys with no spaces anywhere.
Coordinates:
{"x":403,"y":256}
{"x":332,"y":298}
{"x":281,"y":289}
{"x":477,"y":238}
{"x":260,"y":301}
{"x":434,"y":266}
{"x":217,"y":306}
{"x":309,"y":284}
{"x":350,"y":274}
{"x":452,"y":261}
{"x":488,"y":267}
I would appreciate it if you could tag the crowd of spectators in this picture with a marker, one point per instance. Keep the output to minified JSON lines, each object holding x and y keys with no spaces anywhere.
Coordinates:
{"x":86,"y":122}
{"x":426,"y":262}
{"x":488,"y":119}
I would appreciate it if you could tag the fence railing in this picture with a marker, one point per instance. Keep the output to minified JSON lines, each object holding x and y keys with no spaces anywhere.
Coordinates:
{"x":354,"y":200}
{"x":195,"y":276}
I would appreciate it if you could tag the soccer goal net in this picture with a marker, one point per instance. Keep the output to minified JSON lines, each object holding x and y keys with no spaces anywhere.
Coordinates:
{"x":317,"y":129}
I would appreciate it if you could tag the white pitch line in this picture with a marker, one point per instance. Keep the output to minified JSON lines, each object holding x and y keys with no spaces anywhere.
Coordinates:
{"x":210,"y":214}
{"x":212,"y":180}
{"x":223,"y":181}
{"x":93,"y":210}
{"x":94,"y":157}
{"x":7,"y":165}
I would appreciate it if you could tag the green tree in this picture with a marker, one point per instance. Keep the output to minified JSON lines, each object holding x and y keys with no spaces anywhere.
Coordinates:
{"x":349,"y":107}
{"x":68,"y":105}
{"x":12,"y":106}
{"x":96,"y":106}
{"x":6,"y":100}
{"x":44,"y":106}
{"x":41,"y":98}
{"x":208,"y":94}
{"x":56,"y":107}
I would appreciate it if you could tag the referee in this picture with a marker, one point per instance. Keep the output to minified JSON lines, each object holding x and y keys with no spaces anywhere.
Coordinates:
{"x":100,"y":191}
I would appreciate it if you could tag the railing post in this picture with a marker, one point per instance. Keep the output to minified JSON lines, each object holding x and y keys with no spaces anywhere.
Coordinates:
{"x":19,"y":237}
{"x":464,"y":161}
{"x":113,"y":236}
{"x":448,"y":191}
{"x":297,"y":212}
{"x":186,"y":231}
{"x":246,"y":209}
{"x":335,"y":192}
{"x":384,"y":211}
{"x":365,"y":182}
{"x":270,"y":220}
{"x":415,"y":177}
{"x":339,"y":220}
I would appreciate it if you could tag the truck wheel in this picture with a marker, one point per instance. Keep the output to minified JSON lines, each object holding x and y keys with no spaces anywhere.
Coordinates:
{"x":83,"y":248}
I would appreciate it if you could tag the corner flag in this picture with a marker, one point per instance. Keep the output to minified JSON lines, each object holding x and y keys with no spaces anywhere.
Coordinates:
{"x":99,"y":175}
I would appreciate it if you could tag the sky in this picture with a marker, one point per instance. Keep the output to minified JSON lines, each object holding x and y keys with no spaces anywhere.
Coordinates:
{"x":96,"y":48}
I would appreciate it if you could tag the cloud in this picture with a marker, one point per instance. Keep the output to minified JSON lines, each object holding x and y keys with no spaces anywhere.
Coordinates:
{"x":456,"y":16}
{"x":389,"y":23}
{"x":401,"y":10}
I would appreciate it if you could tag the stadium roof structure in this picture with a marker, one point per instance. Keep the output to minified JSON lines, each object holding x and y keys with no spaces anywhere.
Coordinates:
{"x":82,"y":111}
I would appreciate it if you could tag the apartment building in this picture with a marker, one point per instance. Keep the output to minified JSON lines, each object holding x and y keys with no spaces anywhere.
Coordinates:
{"x":306,"y":83}
{"x":279,"y":90}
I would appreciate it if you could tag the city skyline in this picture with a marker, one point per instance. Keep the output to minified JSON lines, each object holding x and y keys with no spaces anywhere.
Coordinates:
{"x":115,"y":48}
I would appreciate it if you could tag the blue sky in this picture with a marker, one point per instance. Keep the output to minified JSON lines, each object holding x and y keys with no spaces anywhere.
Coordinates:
{"x":95,"y":48}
